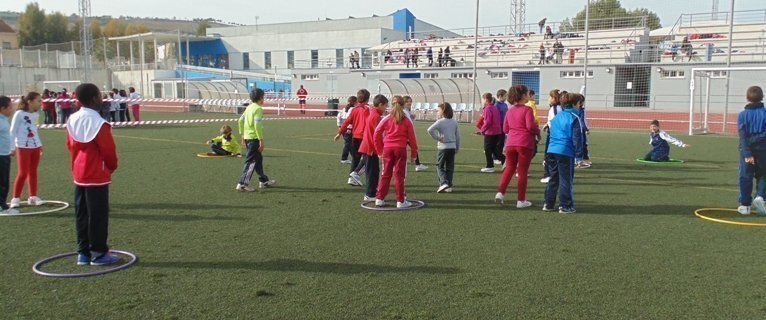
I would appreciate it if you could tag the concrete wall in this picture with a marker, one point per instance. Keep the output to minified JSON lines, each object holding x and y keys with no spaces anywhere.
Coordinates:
{"x":16,"y":80}
{"x":305,"y":27}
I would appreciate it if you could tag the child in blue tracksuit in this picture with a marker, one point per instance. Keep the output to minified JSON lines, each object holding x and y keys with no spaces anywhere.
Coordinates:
{"x":660,"y":142}
{"x":585,"y":163}
{"x":752,"y":150}
{"x":565,"y":147}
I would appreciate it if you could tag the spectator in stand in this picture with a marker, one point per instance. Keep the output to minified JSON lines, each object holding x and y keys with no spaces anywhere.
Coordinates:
{"x":49,"y":107}
{"x":415,"y":56}
{"x":430,"y":56}
{"x":686,"y":47}
{"x":66,"y":106}
{"x":558,"y":49}
{"x":351,"y":59}
{"x":135,"y":107}
{"x":407,"y":57}
{"x":541,"y":52}
{"x":447,"y":60}
{"x":124,"y":114}
{"x":548,"y":33}
{"x":673,"y":51}
{"x":387,"y":58}
{"x":356,"y":59}
{"x":302,"y":94}
{"x":440,"y":58}
{"x":541,"y":24}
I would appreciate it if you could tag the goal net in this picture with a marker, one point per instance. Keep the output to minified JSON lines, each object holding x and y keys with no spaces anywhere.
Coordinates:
{"x":714,"y":105}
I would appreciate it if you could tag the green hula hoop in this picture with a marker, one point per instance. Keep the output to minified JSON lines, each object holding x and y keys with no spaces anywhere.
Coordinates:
{"x":670,"y":162}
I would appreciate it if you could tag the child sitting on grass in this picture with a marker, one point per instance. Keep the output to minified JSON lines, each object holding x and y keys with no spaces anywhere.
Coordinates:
{"x":7,"y":150}
{"x":659,"y":139}
{"x":225,"y":144}
{"x":752,"y":150}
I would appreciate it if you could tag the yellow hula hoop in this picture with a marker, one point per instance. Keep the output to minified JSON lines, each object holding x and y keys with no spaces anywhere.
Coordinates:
{"x":699,"y":214}
{"x":207,"y":155}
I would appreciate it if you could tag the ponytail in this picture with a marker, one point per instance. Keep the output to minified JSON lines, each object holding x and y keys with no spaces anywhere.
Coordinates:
{"x":24,"y":103}
{"x":398,"y":109}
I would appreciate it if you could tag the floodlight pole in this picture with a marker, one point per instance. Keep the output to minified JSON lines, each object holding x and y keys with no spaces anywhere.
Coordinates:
{"x":475,"y":60}
{"x":583,"y":91}
{"x":728,"y":65}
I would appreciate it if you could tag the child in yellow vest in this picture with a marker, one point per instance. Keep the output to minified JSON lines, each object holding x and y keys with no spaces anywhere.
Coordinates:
{"x":225,"y":144}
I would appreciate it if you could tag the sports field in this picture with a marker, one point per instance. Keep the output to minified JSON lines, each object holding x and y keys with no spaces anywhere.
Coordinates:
{"x":306,"y":250}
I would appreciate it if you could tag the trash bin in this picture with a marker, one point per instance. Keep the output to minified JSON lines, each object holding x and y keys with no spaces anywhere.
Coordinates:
{"x":332,"y":104}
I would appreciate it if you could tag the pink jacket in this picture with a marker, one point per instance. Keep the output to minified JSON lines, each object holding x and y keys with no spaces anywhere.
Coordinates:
{"x":390,"y":134}
{"x":520,"y":126}
{"x":493,"y":125}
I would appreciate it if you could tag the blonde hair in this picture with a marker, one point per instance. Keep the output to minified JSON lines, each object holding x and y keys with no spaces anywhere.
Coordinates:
{"x":397,"y":111}
{"x":225,"y":129}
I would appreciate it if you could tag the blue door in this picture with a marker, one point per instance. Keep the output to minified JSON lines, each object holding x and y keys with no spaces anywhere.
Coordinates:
{"x":414,"y":75}
{"x":531,"y":79}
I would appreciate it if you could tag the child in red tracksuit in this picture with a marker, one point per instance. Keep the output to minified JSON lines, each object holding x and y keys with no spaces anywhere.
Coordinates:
{"x":392,"y":136}
{"x":94,"y":159}
{"x":356,"y":120}
{"x":380,"y":104}
{"x":29,"y":148}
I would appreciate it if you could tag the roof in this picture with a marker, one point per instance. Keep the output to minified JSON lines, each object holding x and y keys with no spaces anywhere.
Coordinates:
{"x":162,"y":37}
{"x":5,"y":28}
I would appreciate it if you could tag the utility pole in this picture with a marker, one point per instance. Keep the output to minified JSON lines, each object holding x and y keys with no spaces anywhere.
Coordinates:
{"x":85,"y":35}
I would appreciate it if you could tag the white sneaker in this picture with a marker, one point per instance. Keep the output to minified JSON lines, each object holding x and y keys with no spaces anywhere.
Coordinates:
{"x":244,"y":188}
{"x":380,"y":203}
{"x":744,"y":210}
{"x":498,"y":162}
{"x":10,"y":211}
{"x":545,"y":180}
{"x":760,"y":205}
{"x":353,"y":183}
{"x":345,"y":161}
{"x":15,"y":203}
{"x":448,"y":190}
{"x":488,"y":170}
{"x":421,"y":167}
{"x":442,"y":188}
{"x":355,"y":176}
{"x":402,"y":205}
{"x":267,"y":184}
{"x":499,"y":198}
{"x":523,"y":204}
{"x":35,"y":201}
{"x":368,"y":199}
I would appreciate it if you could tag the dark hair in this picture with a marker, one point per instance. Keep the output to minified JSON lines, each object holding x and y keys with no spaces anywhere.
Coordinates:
{"x":516,"y":93}
{"x":572,"y":99}
{"x":556,"y":95}
{"x":378,"y":100}
{"x":115,"y":90}
{"x":501,"y":93}
{"x":655,"y":123}
{"x":754,"y":94}
{"x":351,"y":102}
{"x":131,"y":89}
{"x":89,"y":95}
{"x":256,"y":95}
{"x":123,"y":93}
{"x":24,"y":103}
{"x":446,"y":110}
{"x":5,"y":102}
{"x":531,"y":92}
{"x":363,"y":96}
{"x":564,"y":99}
{"x":488,"y":96}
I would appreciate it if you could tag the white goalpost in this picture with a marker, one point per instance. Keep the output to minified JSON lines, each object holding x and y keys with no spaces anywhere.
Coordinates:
{"x":710,"y":97}
{"x":62,"y":84}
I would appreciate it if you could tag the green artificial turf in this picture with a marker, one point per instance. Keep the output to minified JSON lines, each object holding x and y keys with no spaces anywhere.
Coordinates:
{"x":306,"y":250}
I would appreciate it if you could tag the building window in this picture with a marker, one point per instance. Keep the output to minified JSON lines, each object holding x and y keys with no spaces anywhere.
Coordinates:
{"x":290,"y":59}
{"x":430,"y":76}
{"x":267,"y":60}
{"x":310,"y":77}
{"x":246,"y":60}
{"x":498,"y":75}
{"x":314,"y":59}
{"x":6,"y":45}
{"x":339,"y":58}
{"x":718,"y":74}
{"x":673,"y":74}
{"x":575,"y":74}
{"x":462,"y":75}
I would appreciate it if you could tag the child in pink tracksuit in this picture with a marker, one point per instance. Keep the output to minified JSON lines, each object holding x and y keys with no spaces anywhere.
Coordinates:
{"x":392,"y":136}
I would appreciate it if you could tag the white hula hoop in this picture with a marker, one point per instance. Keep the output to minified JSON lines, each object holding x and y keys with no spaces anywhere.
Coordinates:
{"x":65,"y":205}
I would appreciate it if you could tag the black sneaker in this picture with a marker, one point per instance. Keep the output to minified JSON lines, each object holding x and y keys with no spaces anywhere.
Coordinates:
{"x":546,"y":209}
{"x":567,"y":210}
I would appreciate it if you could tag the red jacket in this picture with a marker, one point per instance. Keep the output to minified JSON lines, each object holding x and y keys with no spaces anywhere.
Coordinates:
{"x":357,"y":118}
{"x":91,"y":145}
{"x":520,"y":126}
{"x":390,"y":134}
{"x":368,"y":142}
{"x":302,"y":93}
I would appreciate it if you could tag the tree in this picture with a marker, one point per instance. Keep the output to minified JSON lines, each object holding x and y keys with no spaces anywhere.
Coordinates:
{"x":202,"y":28}
{"x":56,"y":28}
{"x":74,"y":32}
{"x":608,"y":14}
{"x":136,"y":28}
{"x":32,"y":26}
{"x":114,"y":28}
{"x":95,"y":29}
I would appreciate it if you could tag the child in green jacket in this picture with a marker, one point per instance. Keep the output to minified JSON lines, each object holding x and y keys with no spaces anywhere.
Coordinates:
{"x":225,"y":144}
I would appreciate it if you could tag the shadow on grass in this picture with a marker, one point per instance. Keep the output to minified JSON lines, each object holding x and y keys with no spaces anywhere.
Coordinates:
{"x":171,"y":217}
{"x":659,"y":209}
{"x":180,"y":206}
{"x":295,"y":265}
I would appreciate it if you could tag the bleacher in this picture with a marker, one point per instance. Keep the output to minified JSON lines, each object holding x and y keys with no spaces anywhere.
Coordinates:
{"x":710,"y":41}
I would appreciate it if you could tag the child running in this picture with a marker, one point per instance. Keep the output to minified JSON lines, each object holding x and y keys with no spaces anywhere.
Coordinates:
{"x":492,"y":129}
{"x":372,"y":173}
{"x":225,"y":144}
{"x":553,"y":109}
{"x":348,"y":134}
{"x":522,"y":135}
{"x":565,"y":148}
{"x":251,"y":132}
{"x":659,"y":139}
{"x":356,"y":121}
{"x":752,"y":149}
{"x":408,"y":112}
{"x":7,"y":150}
{"x":446,"y":132}
{"x":392,"y":136}
{"x":27,"y":140}
{"x":94,"y":160}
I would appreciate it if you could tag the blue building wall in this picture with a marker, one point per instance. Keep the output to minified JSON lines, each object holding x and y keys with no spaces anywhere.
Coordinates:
{"x":404,"y":20}
{"x":211,"y":53}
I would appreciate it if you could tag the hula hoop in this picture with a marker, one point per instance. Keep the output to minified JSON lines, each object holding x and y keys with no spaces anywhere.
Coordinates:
{"x":38,"y":264}
{"x":370,"y":205}
{"x":212,"y":155}
{"x":65,"y":205}
{"x":699,"y":214}
{"x":666,"y":163}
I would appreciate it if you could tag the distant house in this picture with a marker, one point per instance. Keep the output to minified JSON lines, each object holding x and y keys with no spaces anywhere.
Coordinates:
{"x":8,"y":36}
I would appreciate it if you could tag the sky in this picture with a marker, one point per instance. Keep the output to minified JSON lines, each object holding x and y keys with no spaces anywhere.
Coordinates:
{"x":450,"y":14}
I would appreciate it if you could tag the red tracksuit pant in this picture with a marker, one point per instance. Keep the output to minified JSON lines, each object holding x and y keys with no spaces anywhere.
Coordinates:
{"x":516,"y":158}
{"x":28,"y":161}
{"x":395,"y":164}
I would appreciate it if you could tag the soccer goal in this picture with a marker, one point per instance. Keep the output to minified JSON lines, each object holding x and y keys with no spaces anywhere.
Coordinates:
{"x":69,"y":85}
{"x":716,"y":95}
